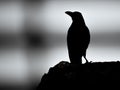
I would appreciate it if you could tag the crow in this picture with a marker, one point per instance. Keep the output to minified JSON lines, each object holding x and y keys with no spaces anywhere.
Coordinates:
{"x":78,"y":38}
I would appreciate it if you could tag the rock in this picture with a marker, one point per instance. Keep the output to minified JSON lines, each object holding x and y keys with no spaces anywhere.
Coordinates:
{"x":65,"y":75}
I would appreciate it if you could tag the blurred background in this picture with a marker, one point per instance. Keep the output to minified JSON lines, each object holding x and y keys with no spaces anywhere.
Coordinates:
{"x":33,"y":37}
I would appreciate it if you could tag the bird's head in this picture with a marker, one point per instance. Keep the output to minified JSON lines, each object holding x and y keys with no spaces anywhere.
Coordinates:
{"x":76,"y":16}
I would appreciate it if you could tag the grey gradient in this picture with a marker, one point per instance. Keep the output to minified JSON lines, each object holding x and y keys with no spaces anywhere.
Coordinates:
{"x":23,"y":61}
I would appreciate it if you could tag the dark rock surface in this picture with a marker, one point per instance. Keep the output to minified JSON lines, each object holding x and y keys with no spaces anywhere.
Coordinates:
{"x":96,"y":75}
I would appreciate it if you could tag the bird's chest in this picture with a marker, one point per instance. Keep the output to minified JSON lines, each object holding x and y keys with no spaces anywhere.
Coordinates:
{"x":75,"y":32}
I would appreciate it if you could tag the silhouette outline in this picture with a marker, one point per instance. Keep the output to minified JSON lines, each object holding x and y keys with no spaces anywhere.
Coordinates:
{"x":78,"y":38}
{"x":65,"y":75}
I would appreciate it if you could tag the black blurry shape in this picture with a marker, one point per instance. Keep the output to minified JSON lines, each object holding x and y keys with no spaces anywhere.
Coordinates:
{"x":78,"y":38}
{"x":34,"y":39}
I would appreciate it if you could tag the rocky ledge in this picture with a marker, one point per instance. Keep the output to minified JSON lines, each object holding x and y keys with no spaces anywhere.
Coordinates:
{"x":97,"y":75}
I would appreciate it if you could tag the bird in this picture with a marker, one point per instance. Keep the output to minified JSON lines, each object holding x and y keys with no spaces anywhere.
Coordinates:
{"x":78,"y":38}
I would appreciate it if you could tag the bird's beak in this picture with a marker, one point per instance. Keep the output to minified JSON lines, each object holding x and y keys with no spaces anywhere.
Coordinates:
{"x":69,"y":13}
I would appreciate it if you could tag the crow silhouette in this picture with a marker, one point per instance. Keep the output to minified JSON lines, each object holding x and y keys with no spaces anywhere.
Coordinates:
{"x":78,"y":38}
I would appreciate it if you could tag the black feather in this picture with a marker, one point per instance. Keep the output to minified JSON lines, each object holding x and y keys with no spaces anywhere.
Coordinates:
{"x":78,"y":38}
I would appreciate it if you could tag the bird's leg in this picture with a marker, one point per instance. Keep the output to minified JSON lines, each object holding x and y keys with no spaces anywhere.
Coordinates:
{"x":86,"y":59}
